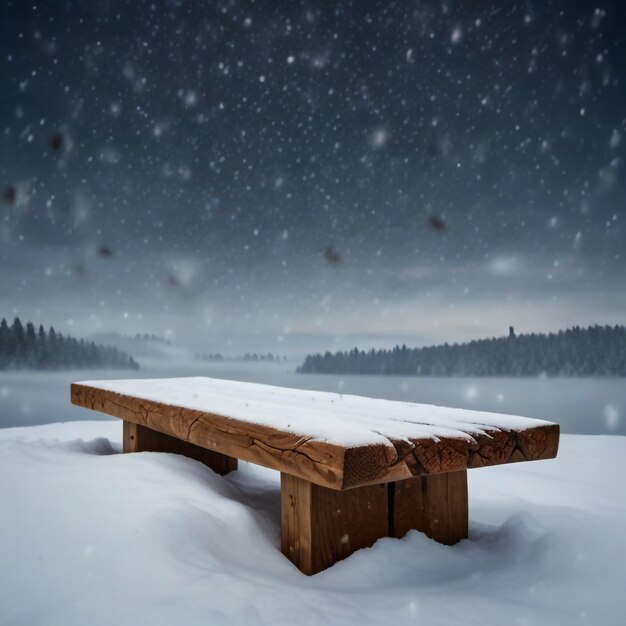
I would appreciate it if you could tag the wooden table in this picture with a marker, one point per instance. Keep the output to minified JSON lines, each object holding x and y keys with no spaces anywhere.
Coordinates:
{"x":353,"y":469}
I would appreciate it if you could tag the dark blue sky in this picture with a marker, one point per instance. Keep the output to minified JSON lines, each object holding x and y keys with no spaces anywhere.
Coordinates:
{"x":314,"y":174}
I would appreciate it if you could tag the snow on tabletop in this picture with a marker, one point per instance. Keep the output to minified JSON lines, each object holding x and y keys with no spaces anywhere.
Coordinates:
{"x":344,"y":420}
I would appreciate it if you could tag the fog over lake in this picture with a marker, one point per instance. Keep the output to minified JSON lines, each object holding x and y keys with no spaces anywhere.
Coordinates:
{"x":580,"y":406}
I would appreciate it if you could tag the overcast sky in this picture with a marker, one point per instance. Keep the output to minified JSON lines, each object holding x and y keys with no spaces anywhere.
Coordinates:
{"x":290,"y":176}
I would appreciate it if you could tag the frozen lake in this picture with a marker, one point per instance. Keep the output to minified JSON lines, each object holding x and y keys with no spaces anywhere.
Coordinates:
{"x":582,"y":406}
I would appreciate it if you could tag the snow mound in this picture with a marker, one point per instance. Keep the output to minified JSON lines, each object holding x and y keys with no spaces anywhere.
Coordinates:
{"x":90,"y":536}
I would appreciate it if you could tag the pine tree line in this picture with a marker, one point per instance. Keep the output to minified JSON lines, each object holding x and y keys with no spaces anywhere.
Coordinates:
{"x":593,"y":351}
{"x":26,"y":348}
{"x":217,"y":356}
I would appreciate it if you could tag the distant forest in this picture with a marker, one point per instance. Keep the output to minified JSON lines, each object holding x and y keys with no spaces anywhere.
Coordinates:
{"x":137,"y":337}
{"x":246,"y":357}
{"x":26,"y":348}
{"x":593,"y":351}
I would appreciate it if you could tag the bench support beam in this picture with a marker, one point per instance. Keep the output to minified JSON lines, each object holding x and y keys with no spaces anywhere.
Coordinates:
{"x":320,"y":526}
{"x":434,"y":504}
{"x":138,"y":438}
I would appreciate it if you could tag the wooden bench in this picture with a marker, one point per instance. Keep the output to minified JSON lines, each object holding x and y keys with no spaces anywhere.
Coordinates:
{"x":353,"y":469}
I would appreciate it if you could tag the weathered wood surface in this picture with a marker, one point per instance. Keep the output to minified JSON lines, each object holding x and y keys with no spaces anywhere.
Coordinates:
{"x":138,"y":438}
{"x":390,"y":457}
{"x":320,"y":526}
{"x":433,"y":504}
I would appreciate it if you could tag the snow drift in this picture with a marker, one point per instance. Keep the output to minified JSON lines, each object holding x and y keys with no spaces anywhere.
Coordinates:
{"x":90,"y":536}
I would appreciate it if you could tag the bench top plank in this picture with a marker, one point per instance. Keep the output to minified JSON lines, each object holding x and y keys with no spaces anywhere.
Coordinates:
{"x":338,"y":441}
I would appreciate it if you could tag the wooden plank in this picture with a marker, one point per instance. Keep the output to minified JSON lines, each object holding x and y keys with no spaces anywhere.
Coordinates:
{"x":320,"y":461}
{"x":435,"y":505}
{"x":139,"y":438}
{"x":321,"y":526}
{"x":317,"y":461}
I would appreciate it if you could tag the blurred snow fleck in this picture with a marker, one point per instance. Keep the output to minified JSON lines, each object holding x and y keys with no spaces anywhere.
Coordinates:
{"x":137,"y":82}
{"x":608,"y":176}
{"x":504,"y":266}
{"x":183,"y":272}
{"x":470,"y":392}
{"x":189,"y":97}
{"x":598,"y":16}
{"x":379,"y":138}
{"x":616,"y":138}
{"x":110,"y":155}
{"x":81,"y":208}
{"x":321,"y":60}
{"x":612,"y":416}
{"x":457,"y":34}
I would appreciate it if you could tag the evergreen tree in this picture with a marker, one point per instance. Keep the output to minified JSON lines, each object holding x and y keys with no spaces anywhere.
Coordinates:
{"x":42,"y":347}
{"x":31,"y":345}
{"x":20,"y":340}
{"x":6,"y":344}
{"x":53,"y":357}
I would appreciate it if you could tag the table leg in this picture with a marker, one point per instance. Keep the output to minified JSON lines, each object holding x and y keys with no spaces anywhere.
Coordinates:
{"x":138,"y":438}
{"x":435,"y":504}
{"x":320,"y":526}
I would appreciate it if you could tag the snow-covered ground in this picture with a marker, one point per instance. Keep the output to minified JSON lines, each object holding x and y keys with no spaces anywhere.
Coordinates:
{"x":90,"y":536}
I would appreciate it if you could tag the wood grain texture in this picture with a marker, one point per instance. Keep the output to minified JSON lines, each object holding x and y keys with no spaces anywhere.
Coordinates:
{"x":321,"y":462}
{"x":321,"y":526}
{"x":435,"y":505}
{"x":138,"y":438}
